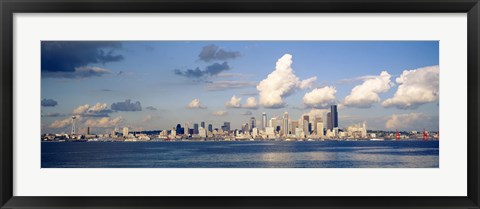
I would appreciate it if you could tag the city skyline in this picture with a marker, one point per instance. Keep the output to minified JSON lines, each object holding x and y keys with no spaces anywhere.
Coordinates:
{"x":159,"y":84}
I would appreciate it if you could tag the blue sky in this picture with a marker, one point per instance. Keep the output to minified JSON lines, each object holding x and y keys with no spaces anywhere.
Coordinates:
{"x":95,"y":79}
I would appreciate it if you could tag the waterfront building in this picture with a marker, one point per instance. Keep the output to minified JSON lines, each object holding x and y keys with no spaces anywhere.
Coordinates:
{"x":305,"y":127}
{"x":202,"y":132}
{"x":264,"y":121}
{"x":125,"y":131}
{"x":293,"y":126}
{"x":329,"y":134}
{"x":319,"y":129}
{"x":186,"y":130}
{"x":315,"y":122}
{"x":254,"y":132}
{"x":202,"y":124}
{"x":357,"y":130}
{"x":285,"y":124}
{"x":299,"y":133}
{"x":269,"y":131}
{"x":210,"y":128}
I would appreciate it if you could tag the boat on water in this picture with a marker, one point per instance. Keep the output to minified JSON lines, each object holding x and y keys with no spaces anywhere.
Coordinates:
{"x":377,"y":139}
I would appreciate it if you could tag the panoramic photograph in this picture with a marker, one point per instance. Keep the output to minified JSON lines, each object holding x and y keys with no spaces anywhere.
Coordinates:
{"x":239,"y":104}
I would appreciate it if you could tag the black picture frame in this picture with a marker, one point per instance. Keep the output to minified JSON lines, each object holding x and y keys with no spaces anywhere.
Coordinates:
{"x":10,"y":7}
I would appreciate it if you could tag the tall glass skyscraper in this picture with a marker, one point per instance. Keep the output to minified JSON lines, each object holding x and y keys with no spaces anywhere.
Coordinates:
{"x":264,"y":120}
{"x":334,"y":116}
{"x":285,"y":123}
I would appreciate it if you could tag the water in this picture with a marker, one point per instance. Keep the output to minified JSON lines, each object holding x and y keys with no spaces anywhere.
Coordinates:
{"x":246,"y":154}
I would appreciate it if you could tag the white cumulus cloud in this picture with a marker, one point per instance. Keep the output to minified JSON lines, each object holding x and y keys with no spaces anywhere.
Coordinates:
{"x":220,"y":113}
{"x":104,"y":122}
{"x":416,"y":87}
{"x":281,"y":83}
{"x":251,"y":103}
{"x":97,"y":110}
{"x":234,"y":102}
{"x":61,"y":123}
{"x":81,"y":109}
{"x":195,"y":104}
{"x":366,"y":94}
{"x":401,"y":121}
{"x":320,"y":97}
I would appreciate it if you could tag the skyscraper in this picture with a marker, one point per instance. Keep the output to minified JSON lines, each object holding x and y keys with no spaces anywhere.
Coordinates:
{"x":227,"y":126}
{"x":316,"y":121}
{"x":264,"y":120}
{"x":306,"y":121}
{"x":202,"y":124}
{"x":252,"y":123}
{"x":329,"y":121}
{"x":285,"y":123}
{"x":125,"y":131}
{"x":178,"y":129}
{"x":186,"y":130}
{"x":319,"y":128}
{"x":210,"y":128}
{"x":334,"y":116}
{"x":195,"y":128}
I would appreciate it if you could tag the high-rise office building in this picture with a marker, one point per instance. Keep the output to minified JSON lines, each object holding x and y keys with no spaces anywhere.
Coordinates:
{"x":252,"y":123}
{"x":329,"y":121}
{"x":210,"y":128}
{"x":195,"y":128}
{"x":186,"y":130}
{"x":306,"y":121}
{"x":202,"y":124}
{"x":334,"y":116}
{"x":125,"y":131}
{"x":285,"y":123}
{"x":264,"y":120}
{"x":227,"y":126}
{"x":293,"y":126}
{"x":319,"y":129}
{"x":315,"y":124}
{"x":178,"y":129}
{"x":245,"y":128}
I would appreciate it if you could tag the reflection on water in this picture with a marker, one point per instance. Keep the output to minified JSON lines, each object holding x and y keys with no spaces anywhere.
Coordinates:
{"x":250,"y":154}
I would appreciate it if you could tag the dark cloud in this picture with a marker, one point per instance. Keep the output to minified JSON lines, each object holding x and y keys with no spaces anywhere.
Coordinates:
{"x":49,"y":103}
{"x":150,"y":108}
{"x":105,"y":90}
{"x":210,"y":70}
{"x":126,"y":106}
{"x":213,"y":52}
{"x":66,"y":56}
{"x":53,"y":115}
{"x":80,"y":72}
{"x":98,"y":113}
